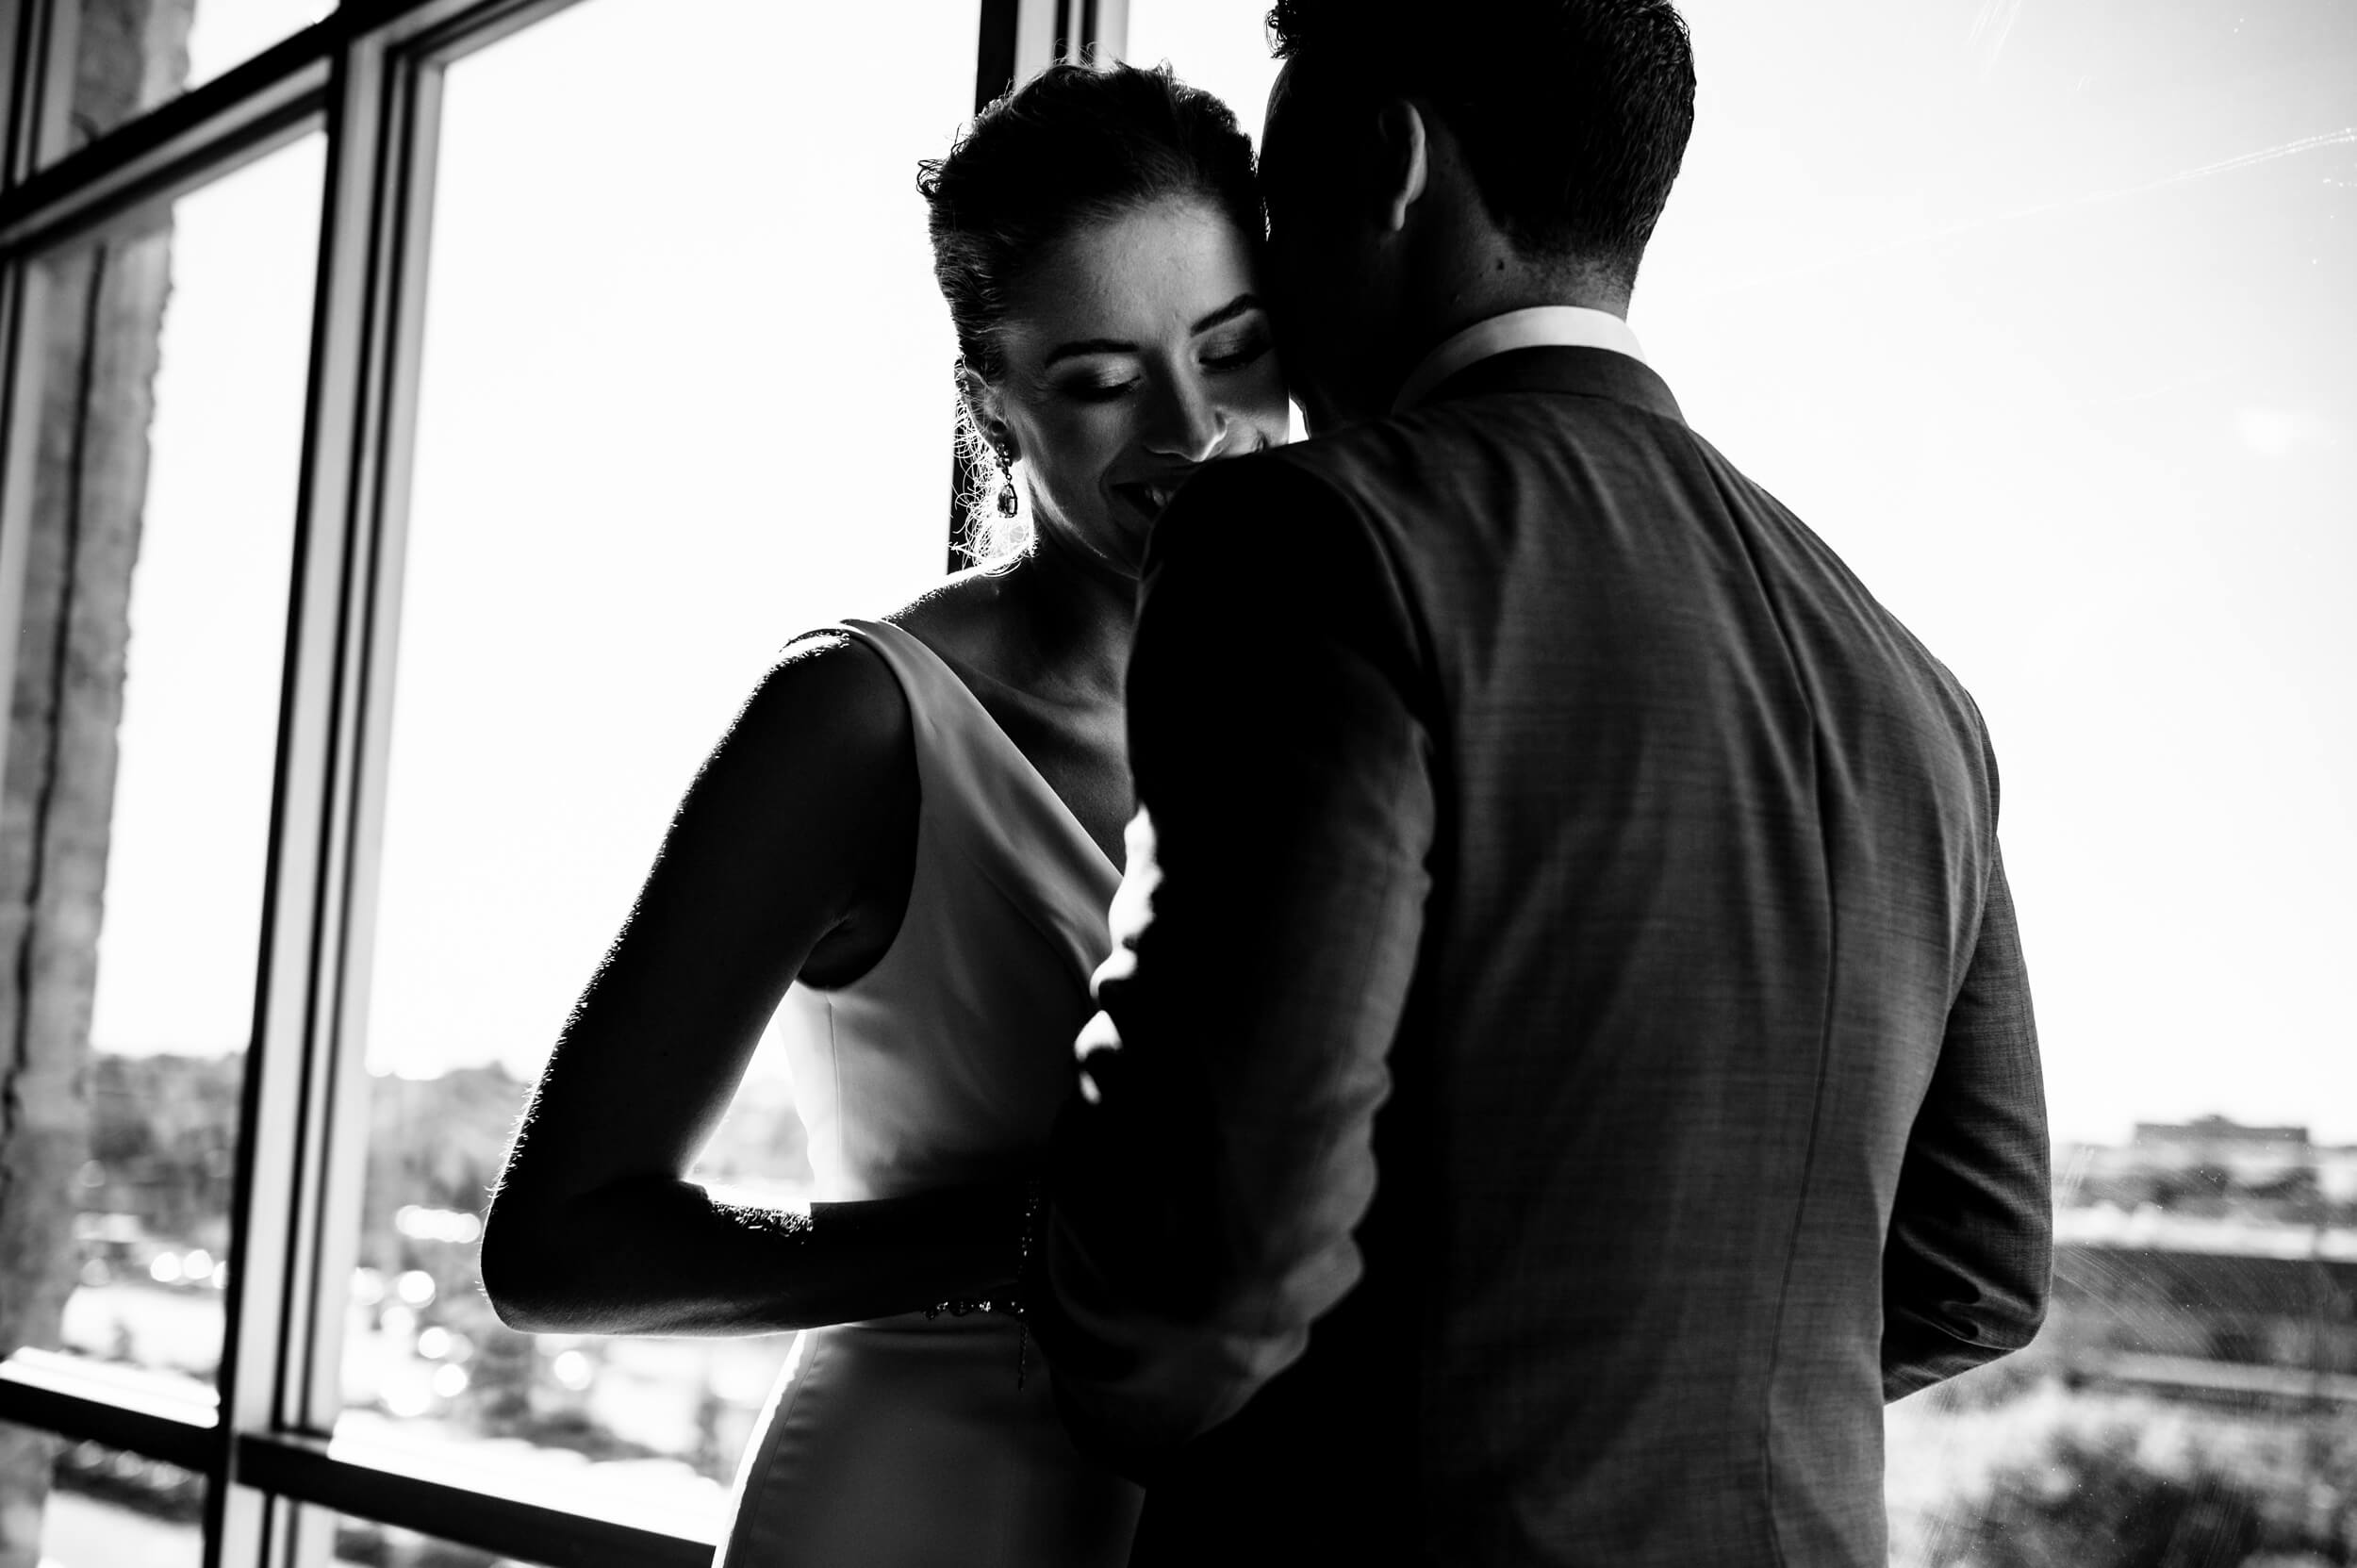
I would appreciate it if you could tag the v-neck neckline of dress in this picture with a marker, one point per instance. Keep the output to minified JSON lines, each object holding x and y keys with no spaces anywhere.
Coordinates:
{"x":1020,"y":764}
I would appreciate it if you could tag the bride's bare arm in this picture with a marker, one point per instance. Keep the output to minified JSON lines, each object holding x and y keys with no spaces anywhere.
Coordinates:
{"x":792,"y":847}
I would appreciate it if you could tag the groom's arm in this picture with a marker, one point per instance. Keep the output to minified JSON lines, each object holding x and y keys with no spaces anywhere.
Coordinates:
{"x":1211,"y":1173}
{"x":1968,"y":1259}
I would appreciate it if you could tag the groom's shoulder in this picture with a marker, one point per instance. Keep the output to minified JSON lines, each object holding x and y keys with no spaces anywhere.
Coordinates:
{"x":1309,"y":526}
{"x":1299,"y":498}
{"x":1354,"y":473}
{"x":1371,"y":454}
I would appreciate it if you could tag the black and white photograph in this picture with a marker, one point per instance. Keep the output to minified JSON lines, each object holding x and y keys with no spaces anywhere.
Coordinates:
{"x":1194,"y":784}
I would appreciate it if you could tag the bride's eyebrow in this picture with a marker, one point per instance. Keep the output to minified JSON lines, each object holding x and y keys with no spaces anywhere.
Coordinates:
{"x":1240,"y":305}
{"x":1088,"y":345}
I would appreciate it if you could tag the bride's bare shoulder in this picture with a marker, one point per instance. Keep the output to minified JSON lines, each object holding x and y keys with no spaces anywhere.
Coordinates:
{"x":959,"y":618}
{"x":830,"y":688}
{"x":827,"y":693}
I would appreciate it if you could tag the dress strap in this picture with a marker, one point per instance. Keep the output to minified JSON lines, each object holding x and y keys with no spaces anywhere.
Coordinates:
{"x":988,"y":803}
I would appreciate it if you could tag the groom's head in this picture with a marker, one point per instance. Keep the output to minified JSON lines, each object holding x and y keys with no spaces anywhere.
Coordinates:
{"x":1430,"y":161}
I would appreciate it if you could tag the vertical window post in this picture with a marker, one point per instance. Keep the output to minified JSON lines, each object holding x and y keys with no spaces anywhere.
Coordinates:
{"x":1019,"y":39}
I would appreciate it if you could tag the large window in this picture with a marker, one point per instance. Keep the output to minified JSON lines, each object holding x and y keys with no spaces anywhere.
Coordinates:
{"x":2038,"y":316}
{"x":200,"y":644}
{"x":424,"y":421}
{"x":420,"y":422}
{"x":619,"y":515}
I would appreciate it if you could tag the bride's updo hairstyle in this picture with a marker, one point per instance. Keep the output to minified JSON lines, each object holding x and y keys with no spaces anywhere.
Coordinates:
{"x":1074,"y":145}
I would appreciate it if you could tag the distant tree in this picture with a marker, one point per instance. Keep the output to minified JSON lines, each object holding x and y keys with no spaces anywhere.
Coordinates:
{"x":502,"y":1371}
{"x":437,"y":1143}
{"x":2091,"y":1501}
{"x":164,"y":1135}
{"x":2093,"y":1504}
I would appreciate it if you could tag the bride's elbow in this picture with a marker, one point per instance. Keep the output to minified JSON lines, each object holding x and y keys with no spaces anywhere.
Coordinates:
{"x":520,"y":1272}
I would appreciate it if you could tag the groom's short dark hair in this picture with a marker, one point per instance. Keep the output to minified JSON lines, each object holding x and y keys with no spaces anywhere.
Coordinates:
{"x":1573,"y":114}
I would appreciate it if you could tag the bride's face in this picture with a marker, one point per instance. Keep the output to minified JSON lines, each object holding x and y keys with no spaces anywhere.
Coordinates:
{"x":1134,"y":349}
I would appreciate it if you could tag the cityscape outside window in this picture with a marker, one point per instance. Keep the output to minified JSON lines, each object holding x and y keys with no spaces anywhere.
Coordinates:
{"x":651,"y":451}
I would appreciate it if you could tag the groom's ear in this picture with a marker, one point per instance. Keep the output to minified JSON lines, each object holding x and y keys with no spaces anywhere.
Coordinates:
{"x":1404,"y":152}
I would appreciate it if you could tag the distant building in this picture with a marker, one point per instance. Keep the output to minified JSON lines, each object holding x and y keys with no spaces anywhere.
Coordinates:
{"x":2210,"y":1160}
{"x":2216,"y":1141}
{"x":2212,"y":1258}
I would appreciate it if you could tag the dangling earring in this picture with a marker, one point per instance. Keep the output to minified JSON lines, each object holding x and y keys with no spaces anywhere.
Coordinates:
{"x":1009,"y":502}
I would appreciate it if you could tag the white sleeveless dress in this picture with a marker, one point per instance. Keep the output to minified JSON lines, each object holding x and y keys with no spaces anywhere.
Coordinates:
{"x":905,"y":1443}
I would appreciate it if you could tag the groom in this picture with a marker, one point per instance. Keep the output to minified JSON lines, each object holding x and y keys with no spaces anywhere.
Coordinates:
{"x":1568,"y":1062}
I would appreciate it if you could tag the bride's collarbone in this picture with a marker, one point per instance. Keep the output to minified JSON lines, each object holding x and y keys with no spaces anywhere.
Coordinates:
{"x":1078,"y":751}
{"x":1031,"y":705}
{"x":1075,"y":739}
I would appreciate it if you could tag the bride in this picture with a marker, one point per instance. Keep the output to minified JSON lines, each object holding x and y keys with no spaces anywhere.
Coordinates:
{"x":908,"y":839}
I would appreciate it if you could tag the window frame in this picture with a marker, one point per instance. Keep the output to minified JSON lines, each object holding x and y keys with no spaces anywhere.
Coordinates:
{"x":368,"y":77}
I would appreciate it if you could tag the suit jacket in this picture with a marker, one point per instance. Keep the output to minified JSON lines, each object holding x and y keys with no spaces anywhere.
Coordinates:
{"x":1568,"y":1059}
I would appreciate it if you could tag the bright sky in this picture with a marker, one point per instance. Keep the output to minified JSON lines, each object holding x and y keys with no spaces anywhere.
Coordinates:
{"x":2037,"y":312}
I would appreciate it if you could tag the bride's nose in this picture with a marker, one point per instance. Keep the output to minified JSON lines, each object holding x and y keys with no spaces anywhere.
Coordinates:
{"x":1187,"y":422}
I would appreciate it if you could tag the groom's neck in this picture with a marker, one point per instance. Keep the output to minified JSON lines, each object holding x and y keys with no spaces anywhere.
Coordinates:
{"x":1457,"y":270}
{"x":1486,"y":275}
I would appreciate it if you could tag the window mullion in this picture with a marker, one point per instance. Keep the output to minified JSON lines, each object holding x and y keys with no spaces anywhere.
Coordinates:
{"x":23,"y":293}
{"x":1040,"y":26}
{"x":37,"y":53}
{"x":36,"y":81}
{"x":37,"y":45}
{"x":1022,"y":37}
{"x":397,"y":1490}
{"x":273,"y":1327}
{"x":404,"y":99}
{"x":56,"y":1393}
{"x":1109,"y":29}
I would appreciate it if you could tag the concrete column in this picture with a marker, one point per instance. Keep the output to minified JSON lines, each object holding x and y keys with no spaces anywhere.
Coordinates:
{"x":99,"y":341}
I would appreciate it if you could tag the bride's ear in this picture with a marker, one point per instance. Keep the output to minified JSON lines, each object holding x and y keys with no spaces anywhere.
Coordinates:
{"x":981,"y":401}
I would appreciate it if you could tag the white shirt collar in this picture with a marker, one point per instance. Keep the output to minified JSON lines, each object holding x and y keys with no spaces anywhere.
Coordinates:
{"x":1543,"y":326}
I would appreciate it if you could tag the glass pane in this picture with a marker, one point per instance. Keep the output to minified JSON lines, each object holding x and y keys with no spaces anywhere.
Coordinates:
{"x":83,"y":1505}
{"x":1218,"y":46}
{"x":141,"y":752}
{"x":2056,"y":358}
{"x":2196,"y":1381}
{"x":134,"y":54}
{"x":2040,"y":316}
{"x":687,"y":391}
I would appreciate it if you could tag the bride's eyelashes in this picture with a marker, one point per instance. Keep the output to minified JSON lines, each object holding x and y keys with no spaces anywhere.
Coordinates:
{"x":1091,"y":390}
{"x":1253,"y":348}
{"x":1218,"y":359}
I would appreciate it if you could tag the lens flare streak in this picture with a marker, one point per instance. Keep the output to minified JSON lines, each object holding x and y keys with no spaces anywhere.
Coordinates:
{"x":2345,"y":137}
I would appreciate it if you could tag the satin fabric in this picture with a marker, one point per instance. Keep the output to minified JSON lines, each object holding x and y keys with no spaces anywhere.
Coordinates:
{"x":908,"y":1442}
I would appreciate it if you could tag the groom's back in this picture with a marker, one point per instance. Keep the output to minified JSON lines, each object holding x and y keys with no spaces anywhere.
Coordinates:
{"x":1714,"y":834}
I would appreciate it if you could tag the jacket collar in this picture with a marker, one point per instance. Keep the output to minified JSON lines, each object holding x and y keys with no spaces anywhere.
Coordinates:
{"x":1593,"y":373}
{"x":1568,"y":326}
